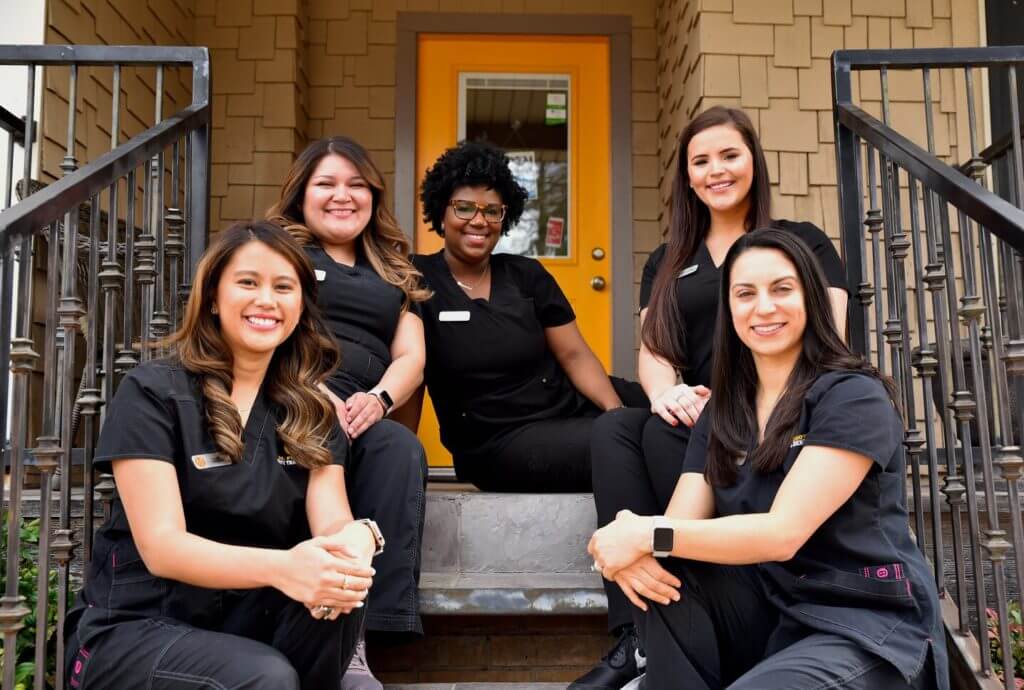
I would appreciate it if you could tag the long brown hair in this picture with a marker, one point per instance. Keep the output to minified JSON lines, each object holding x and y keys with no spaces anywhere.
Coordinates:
{"x":690,"y":220}
{"x":734,"y":376}
{"x":299,"y":365}
{"x":382,"y":242}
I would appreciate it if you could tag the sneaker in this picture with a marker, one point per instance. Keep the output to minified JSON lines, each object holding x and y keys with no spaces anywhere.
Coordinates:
{"x":359,"y":676}
{"x":616,"y":668}
{"x":636,"y":684}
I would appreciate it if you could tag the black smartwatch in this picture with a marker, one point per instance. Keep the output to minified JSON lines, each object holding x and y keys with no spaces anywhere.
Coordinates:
{"x":662,"y":537}
{"x":384,"y":399}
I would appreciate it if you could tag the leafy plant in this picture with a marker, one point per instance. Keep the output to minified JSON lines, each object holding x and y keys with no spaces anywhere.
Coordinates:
{"x":28,"y":573}
{"x":1016,"y":625}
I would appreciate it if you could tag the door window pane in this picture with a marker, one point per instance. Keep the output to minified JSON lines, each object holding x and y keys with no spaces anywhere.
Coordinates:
{"x":527,"y":116}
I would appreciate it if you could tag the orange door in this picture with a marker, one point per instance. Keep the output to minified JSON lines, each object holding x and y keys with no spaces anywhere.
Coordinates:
{"x":545,"y":100}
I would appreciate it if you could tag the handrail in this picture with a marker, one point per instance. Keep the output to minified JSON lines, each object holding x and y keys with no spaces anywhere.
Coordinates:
{"x":101,"y":55}
{"x":13,"y":125}
{"x":920,"y":58}
{"x":992,"y":152}
{"x":1002,"y":218}
{"x":68,"y":192}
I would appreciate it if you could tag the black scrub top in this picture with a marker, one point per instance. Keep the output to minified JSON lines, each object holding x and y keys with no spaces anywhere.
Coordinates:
{"x":697,"y":293}
{"x":362,"y":312}
{"x":860,"y":575}
{"x":489,"y":369}
{"x":157,"y":414}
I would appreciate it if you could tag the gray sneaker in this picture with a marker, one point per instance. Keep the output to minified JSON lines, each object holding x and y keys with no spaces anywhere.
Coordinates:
{"x":359,"y":676}
{"x":635,"y":684}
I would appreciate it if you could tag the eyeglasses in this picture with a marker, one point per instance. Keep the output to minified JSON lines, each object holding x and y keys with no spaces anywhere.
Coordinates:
{"x":467,"y":210}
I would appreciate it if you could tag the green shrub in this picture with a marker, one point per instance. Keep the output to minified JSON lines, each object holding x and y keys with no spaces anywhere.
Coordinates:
{"x":1016,"y":642}
{"x":28,"y":573}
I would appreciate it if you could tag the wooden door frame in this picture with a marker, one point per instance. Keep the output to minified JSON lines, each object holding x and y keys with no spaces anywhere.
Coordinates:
{"x":618,"y":29}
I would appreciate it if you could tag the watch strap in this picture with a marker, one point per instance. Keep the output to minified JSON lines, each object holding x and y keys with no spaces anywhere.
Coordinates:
{"x":378,"y":537}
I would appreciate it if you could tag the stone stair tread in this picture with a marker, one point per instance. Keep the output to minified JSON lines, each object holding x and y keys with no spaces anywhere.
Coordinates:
{"x":512,"y":594}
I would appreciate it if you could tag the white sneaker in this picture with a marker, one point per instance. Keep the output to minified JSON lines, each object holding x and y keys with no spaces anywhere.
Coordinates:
{"x":641,"y":661}
{"x":635,"y":684}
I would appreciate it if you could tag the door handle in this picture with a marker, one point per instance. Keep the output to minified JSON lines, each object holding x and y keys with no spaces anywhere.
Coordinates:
{"x":598,"y":283}
{"x":597,"y":253}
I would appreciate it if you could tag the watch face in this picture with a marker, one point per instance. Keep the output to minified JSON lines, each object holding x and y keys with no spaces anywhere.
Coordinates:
{"x":387,"y":399}
{"x":663,"y":537}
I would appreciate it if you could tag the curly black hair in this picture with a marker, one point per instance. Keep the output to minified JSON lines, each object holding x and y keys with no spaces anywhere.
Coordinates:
{"x":472,"y":164}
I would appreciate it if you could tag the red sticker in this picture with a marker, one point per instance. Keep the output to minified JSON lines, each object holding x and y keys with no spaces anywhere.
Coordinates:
{"x":555,"y":232}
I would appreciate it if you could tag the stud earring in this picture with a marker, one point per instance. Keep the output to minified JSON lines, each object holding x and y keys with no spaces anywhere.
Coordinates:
{"x":214,"y":310}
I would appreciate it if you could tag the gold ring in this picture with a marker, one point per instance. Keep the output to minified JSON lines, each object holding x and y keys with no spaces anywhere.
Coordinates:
{"x":344,"y":581}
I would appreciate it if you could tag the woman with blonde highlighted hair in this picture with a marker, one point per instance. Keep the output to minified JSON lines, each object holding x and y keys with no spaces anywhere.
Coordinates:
{"x":231,"y":557}
{"x":332,"y":201}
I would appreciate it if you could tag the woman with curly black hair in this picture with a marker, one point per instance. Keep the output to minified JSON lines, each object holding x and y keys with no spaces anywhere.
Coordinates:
{"x":514,"y":384}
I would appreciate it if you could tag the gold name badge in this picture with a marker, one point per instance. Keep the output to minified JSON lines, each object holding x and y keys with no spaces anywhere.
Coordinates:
{"x":205,"y":461}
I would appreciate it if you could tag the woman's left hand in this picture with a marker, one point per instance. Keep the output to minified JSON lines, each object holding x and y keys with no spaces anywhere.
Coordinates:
{"x":362,"y":411}
{"x":620,"y":543}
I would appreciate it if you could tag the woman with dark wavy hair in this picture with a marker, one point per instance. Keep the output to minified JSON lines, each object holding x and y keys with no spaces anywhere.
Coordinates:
{"x":786,"y":540}
{"x":515,"y":385}
{"x":721,"y":191}
{"x":231,"y":557}
{"x":333,"y":202}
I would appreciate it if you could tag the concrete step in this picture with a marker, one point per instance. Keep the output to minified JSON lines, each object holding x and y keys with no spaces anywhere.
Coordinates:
{"x":508,"y":554}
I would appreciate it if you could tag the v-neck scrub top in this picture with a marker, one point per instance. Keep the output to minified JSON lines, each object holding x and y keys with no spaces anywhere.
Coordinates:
{"x":697,"y":293}
{"x":489,"y":369}
{"x":860,"y":575}
{"x":158,"y":414}
{"x":362,"y":311}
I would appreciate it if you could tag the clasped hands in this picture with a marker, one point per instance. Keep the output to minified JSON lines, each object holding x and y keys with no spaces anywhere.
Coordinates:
{"x":358,"y":413}
{"x":331,"y":574}
{"x":681,"y":403}
{"x":622,"y":552}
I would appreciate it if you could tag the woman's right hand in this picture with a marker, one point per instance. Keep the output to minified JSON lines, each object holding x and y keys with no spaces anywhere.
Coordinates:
{"x":314,"y":573}
{"x":681,"y":403}
{"x":648,"y":579}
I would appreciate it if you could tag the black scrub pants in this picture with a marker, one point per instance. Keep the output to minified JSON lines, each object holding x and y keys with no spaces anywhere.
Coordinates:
{"x":724,"y":633}
{"x":386,"y":480}
{"x":637,"y":459}
{"x":266,"y":642}
{"x":549,"y":456}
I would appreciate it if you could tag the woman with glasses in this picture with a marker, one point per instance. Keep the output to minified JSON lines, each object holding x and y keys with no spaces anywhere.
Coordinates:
{"x":514,"y":384}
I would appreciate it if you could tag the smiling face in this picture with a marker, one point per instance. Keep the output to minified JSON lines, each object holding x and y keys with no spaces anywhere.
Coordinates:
{"x":471,"y":241}
{"x":258,"y":301}
{"x":720,"y":168}
{"x":338,"y":202}
{"x":767,"y":304}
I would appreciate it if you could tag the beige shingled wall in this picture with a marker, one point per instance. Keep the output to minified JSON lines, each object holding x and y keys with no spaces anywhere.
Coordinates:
{"x":110,"y":22}
{"x":772,"y":58}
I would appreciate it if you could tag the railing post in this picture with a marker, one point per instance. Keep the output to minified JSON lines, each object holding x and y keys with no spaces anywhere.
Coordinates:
{"x":850,"y":218}
{"x":198,"y":181}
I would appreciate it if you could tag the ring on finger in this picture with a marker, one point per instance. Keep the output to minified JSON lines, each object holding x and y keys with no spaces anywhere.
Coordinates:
{"x":323,"y":610}
{"x":595,"y":567}
{"x":344,"y":581}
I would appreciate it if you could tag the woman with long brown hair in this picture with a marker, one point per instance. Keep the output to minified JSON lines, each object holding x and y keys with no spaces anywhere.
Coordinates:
{"x":333,"y":202}
{"x":786,"y":539}
{"x":231,"y":557}
{"x":721,"y":191}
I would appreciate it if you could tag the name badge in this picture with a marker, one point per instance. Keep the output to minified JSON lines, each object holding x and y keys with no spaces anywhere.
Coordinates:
{"x":320,"y":275}
{"x":206,"y":461}
{"x":453,"y":316}
{"x":689,"y":270}
{"x":798,"y":441}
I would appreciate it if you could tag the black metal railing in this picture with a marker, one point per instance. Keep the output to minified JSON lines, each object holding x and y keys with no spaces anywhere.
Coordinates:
{"x":935,"y":260}
{"x":119,"y":236}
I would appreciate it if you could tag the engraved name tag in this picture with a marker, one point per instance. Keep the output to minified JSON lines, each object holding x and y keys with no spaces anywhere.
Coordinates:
{"x":206,"y":461}
{"x":689,"y":270}
{"x":453,"y":316}
{"x":320,"y":275}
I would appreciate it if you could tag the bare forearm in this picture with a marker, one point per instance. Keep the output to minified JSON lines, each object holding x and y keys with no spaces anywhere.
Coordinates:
{"x":402,"y":378}
{"x":656,"y":375}
{"x":197,"y":561}
{"x":589,"y":377}
{"x":733,"y":540}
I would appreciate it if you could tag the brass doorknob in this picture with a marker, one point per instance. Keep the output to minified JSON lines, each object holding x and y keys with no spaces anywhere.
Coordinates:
{"x":598,"y":283}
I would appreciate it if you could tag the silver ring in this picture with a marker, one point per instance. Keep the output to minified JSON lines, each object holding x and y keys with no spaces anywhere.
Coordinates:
{"x":344,"y":581}
{"x":323,"y":610}
{"x":595,"y":567}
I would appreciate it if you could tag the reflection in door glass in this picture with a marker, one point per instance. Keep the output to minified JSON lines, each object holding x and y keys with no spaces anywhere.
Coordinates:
{"x":527,"y":116}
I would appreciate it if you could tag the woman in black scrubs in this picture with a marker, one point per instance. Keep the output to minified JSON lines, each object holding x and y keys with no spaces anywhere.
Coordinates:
{"x":788,"y":527}
{"x":515,"y":386}
{"x":721,"y":191}
{"x":231,"y":558}
{"x":333,"y":202}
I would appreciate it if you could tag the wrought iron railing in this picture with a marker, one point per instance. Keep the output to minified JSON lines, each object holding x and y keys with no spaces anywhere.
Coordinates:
{"x":119,"y":235}
{"x":935,"y":259}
